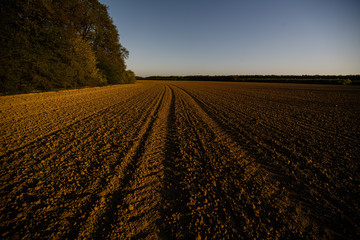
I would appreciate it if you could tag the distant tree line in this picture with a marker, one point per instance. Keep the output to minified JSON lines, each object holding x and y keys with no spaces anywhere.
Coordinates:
{"x":319,"y":79}
{"x":57,"y":44}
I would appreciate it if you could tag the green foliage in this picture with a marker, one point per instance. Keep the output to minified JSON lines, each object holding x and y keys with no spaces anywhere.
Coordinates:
{"x":84,"y":61}
{"x":345,"y":81}
{"x":52,"y":44}
{"x":130,"y":76}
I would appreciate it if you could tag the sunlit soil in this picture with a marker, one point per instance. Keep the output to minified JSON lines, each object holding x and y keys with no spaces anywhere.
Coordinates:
{"x":181,"y":160}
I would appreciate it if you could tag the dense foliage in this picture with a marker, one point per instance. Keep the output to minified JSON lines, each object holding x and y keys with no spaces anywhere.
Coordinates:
{"x":318,"y":79}
{"x":55,"y":44}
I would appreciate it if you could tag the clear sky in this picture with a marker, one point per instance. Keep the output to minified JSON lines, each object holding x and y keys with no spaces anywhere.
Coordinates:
{"x":225,"y":37}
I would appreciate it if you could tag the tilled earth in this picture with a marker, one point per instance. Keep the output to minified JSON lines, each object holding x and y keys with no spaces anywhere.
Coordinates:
{"x":181,"y":160}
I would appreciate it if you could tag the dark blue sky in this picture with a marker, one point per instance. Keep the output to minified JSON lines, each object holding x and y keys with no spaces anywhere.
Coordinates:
{"x":239,"y":36}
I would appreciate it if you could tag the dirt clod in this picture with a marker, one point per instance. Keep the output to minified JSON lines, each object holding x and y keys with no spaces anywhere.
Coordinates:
{"x":181,"y":160}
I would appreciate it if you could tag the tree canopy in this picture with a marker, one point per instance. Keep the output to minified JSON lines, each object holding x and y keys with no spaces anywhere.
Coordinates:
{"x":55,"y":44}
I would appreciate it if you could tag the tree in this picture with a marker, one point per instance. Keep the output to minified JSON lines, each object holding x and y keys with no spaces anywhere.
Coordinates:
{"x":52,"y":44}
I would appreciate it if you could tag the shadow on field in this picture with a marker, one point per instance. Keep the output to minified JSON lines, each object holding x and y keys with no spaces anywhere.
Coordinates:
{"x":318,"y":211}
{"x":174,"y":195}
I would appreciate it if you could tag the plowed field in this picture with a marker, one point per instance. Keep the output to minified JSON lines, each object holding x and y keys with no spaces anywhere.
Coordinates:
{"x":181,"y":160}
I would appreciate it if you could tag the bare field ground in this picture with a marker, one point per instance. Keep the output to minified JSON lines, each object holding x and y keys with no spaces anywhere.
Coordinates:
{"x":181,"y":160}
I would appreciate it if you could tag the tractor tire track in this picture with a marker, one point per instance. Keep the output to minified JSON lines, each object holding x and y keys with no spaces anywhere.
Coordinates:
{"x":342,"y":212}
{"x":73,"y":123}
{"x":59,"y":111}
{"x":181,"y":160}
{"x":211,"y":162}
{"x":231,"y":101}
{"x":25,"y":186}
{"x":138,"y":211}
{"x":55,"y":137}
{"x":102,"y":215}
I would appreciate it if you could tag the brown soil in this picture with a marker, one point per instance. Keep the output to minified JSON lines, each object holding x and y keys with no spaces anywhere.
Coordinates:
{"x":181,"y":160}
